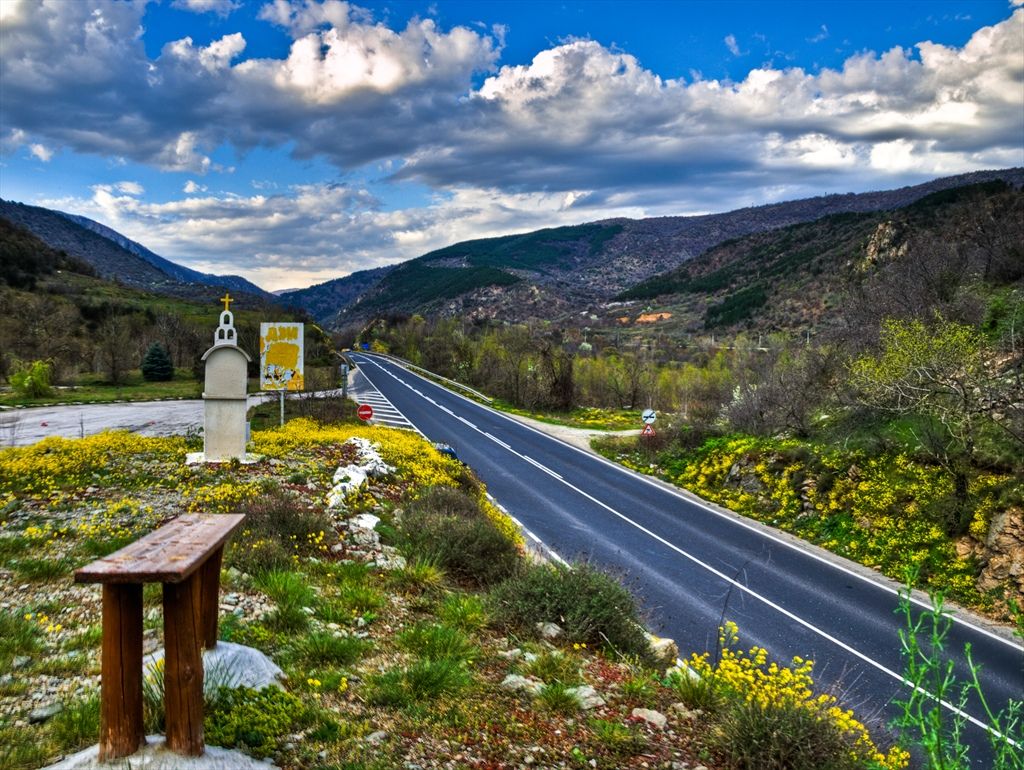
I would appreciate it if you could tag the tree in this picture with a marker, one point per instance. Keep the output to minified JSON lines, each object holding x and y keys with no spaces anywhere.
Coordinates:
{"x":944,"y":374}
{"x":156,"y":364}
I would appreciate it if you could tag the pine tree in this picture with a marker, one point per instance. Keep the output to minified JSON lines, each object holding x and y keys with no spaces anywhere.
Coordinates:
{"x":156,"y":364}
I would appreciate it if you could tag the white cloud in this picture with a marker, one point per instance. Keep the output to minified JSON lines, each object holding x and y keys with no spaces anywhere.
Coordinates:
{"x":822,"y":35}
{"x":317,"y":232}
{"x":578,"y":132}
{"x":219,"y":7}
{"x":41,"y":152}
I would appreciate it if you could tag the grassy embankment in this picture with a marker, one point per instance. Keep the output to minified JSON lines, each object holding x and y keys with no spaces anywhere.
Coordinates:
{"x":385,"y":666}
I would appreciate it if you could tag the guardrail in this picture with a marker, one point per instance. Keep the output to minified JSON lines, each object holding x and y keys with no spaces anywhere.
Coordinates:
{"x":453,"y":383}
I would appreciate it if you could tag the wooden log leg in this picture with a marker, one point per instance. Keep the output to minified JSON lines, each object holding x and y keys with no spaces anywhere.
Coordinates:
{"x":210,"y":578}
{"x":121,"y":732}
{"x":183,"y":671}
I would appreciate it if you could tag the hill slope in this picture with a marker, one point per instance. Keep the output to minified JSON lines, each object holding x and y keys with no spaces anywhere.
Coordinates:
{"x":559,"y":272}
{"x":115,"y":257}
{"x":886,"y":263}
{"x":173,"y":269}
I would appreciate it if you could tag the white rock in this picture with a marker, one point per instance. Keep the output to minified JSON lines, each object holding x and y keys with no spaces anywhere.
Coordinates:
{"x":364,"y":521}
{"x":587,"y":696}
{"x":155,"y":756}
{"x":549,"y":630}
{"x":517,"y":683}
{"x":229,"y":665}
{"x":651,"y":717}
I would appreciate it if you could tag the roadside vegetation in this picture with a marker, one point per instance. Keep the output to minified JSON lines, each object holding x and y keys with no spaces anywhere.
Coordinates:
{"x":428,"y":658}
{"x":892,"y":432}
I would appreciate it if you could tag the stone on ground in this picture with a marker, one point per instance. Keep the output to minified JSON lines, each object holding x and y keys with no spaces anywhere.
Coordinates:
{"x":228,"y":665}
{"x":155,"y":756}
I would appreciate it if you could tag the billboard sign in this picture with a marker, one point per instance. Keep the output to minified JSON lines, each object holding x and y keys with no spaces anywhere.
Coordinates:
{"x":281,"y":356}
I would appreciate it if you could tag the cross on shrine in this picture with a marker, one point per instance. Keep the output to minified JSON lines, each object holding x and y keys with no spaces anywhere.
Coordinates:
{"x":226,"y":299}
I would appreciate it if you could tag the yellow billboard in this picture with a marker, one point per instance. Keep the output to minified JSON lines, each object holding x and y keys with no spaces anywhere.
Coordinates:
{"x":281,"y":356}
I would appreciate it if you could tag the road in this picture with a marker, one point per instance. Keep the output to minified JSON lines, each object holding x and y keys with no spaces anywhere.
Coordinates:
{"x":692,"y":564}
{"x":20,"y":427}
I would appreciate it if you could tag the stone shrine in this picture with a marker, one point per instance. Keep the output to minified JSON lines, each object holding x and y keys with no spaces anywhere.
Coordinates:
{"x":224,"y":394}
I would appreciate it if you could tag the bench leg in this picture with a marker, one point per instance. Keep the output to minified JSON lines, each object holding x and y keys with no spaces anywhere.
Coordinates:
{"x":121,"y":731}
{"x":210,"y":578}
{"x":183,"y":673}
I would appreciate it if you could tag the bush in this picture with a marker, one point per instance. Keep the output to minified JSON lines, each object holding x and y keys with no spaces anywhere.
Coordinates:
{"x":590,"y":606}
{"x":768,"y":716}
{"x":277,"y":526}
{"x":448,"y":528}
{"x":157,"y":365}
{"x":32,"y":380}
{"x":254,"y":719}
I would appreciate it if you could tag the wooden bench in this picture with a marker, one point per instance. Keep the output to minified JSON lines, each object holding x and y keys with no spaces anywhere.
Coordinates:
{"x":185,"y":555}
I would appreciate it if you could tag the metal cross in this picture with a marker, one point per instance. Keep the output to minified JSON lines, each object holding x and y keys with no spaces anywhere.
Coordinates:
{"x":226,"y":299}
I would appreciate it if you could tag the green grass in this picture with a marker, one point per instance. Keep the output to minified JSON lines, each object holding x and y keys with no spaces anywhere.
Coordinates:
{"x":92,"y":389}
{"x":464,"y":611}
{"x":292,"y":594}
{"x":583,"y":417}
{"x":423,"y":680}
{"x":555,"y":666}
{"x":18,"y":636}
{"x":557,"y":698}
{"x":435,"y":642}
{"x":323,"y":648}
{"x":617,"y":738}
{"x":78,"y":725}
{"x":41,"y":569}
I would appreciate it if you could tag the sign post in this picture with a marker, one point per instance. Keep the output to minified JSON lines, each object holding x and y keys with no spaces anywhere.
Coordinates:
{"x":649,"y":416}
{"x":281,"y":358}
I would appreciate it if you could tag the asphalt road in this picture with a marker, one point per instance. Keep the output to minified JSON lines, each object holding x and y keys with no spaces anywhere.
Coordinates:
{"x":20,"y":427}
{"x":692,"y":564}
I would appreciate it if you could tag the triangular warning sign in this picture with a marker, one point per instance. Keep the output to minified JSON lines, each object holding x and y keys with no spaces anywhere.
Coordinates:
{"x":648,"y":430}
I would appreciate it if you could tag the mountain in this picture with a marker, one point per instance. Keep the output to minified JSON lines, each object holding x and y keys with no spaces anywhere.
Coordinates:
{"x":945,"y":252}
{"x":323,"y":300}
{"x":559,"y":273}
{"x":184,"y":274}
{"x":115,"y":257}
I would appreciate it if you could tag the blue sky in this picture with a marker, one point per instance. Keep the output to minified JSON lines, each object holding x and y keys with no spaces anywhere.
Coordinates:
{"x":295,"y":141}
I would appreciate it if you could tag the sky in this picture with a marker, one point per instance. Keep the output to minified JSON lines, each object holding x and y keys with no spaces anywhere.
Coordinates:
{"x":296,"y":141}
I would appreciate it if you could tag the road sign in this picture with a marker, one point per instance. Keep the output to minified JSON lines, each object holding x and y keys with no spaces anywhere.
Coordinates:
{"x":364,"y":412}
{"x":648,"y":416}
{"x":648,"y":430}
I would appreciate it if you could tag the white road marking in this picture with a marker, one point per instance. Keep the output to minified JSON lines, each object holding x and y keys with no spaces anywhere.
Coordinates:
{"x":497,"y":440}
{"x":735,"y":583}
{"x":735,"y":518}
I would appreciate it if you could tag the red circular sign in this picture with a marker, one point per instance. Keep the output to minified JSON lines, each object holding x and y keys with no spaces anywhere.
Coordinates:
{"x":364,"y":412}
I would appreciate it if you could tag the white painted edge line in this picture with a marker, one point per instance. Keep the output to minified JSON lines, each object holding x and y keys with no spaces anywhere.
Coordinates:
{"x":551,"y":552}
{"x":754,"y":594}
{"x":738,"y":519}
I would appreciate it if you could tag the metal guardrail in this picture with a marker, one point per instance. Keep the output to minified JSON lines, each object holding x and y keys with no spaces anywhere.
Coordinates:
{"x":453,"y":383}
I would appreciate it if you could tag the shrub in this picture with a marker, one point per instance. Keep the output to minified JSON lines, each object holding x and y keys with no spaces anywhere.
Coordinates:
{"x":256,"y":720}
{"x":32,"y":380}
{"x":448,"y":527}
{"x":277,"y":526}
{"x":771,"y":719}
{"x":589,"y":605}
{"x":156,"y":364}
